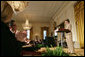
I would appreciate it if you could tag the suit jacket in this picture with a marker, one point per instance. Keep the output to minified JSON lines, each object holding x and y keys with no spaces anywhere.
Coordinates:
{"x":9,"y":45}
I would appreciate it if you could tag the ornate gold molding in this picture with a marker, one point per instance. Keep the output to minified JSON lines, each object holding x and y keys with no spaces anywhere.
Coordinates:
{"x":18,"y":6}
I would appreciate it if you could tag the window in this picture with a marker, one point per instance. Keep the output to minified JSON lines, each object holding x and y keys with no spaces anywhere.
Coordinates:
{"x":28,"y":34}
{"x":55,"y":32}
{"x":44,"y":33}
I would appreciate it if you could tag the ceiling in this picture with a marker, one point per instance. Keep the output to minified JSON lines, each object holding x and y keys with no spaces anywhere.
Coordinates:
{"x":39,"y":11}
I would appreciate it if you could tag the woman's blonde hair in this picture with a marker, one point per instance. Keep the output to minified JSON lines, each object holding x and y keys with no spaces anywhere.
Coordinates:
{"x":6,"y":12}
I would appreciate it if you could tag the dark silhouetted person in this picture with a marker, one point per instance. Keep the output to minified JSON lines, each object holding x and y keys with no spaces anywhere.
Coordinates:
{"x":9,"y":44}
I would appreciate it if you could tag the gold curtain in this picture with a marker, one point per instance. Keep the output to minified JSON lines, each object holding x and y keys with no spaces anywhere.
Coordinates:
{"x":31,"y":33}
{"x":79,"y":18}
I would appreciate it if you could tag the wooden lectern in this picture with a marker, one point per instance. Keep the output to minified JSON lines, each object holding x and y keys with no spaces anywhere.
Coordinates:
{"x":61,"y":30}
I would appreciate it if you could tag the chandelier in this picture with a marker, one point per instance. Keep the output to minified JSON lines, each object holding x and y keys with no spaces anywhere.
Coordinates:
{"x":18,"y":6}
{"x":27,"y":25}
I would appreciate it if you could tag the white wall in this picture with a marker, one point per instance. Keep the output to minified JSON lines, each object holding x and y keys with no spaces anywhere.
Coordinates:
{"x":68,"y":13}
{"x":51,"y":29}
{"x":37,"y":28}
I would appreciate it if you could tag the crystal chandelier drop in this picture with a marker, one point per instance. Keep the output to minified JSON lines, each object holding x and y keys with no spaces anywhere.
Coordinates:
{"x":27,"y":25}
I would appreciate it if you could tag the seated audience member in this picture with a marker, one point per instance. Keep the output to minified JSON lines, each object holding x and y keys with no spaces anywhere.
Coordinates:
{"x":20,"y":35}
{"x":36,"y":40}
{"x":27,"y":41}
{"x":40,"y":41}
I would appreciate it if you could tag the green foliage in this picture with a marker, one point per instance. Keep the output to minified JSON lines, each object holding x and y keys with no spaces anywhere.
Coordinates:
{"x":39,"y":45}
{"x":56,"y":52}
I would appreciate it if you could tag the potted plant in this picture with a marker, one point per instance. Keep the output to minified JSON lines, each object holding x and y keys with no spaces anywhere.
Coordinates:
{"x":56,"y":52}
